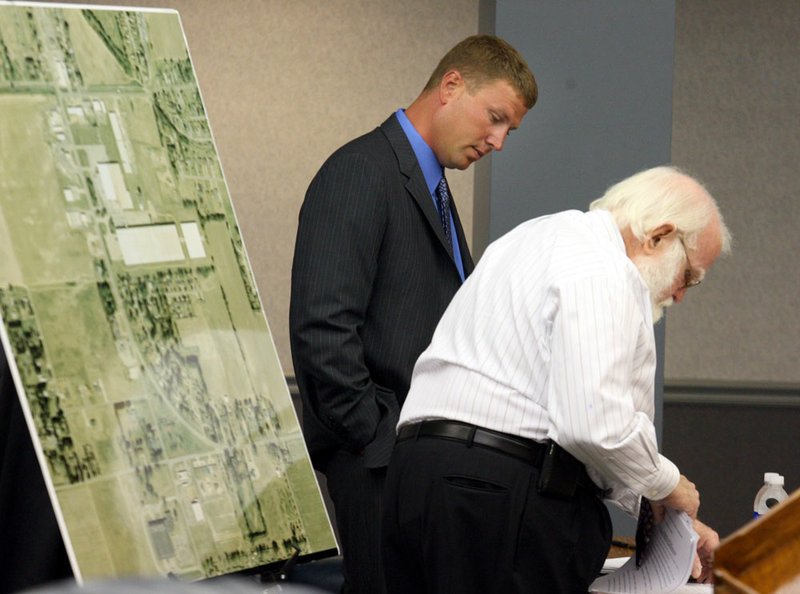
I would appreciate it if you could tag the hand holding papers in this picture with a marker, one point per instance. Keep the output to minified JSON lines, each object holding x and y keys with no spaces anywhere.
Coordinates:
{"x":665,"y":568}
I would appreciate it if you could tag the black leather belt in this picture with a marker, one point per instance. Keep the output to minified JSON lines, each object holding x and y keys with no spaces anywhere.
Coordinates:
{"x":519,"y":447}
{"x":525,"y":449}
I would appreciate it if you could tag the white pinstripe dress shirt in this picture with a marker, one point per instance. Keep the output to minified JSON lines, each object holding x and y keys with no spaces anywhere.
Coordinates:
{"x":552,"y":337}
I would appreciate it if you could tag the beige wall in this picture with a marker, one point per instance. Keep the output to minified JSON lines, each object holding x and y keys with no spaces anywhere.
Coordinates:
{"x":285,"y":82}
{"x":735,"y":125}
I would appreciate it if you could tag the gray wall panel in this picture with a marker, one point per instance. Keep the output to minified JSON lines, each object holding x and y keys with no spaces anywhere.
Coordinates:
{"x":725,"y":438}
{"x":604,"y":71}
{"x":605,"y":109}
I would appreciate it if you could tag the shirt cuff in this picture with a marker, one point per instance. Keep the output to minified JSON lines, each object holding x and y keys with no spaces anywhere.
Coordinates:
{"x":664,"y":481}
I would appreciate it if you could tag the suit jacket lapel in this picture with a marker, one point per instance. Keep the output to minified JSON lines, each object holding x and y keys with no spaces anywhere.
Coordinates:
{"x":418,"y":189}
{"x":466,"y":257}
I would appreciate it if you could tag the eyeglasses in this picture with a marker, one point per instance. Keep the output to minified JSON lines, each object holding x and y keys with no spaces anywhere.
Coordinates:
{"x":691,"y":276}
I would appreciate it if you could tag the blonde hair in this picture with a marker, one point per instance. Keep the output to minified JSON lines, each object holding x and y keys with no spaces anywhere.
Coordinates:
{"x":483,"y":59}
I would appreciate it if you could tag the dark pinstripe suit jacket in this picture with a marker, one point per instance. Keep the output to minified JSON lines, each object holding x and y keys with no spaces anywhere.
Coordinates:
{"x":370,"y":279}
{"x":31,"y":549}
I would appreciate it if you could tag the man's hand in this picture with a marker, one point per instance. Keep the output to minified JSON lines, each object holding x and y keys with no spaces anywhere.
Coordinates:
{"x":704,"y":559}
{"x":684,"y":497}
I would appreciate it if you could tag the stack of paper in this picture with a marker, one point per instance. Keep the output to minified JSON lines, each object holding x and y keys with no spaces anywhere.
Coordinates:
{"x":666,"y":567}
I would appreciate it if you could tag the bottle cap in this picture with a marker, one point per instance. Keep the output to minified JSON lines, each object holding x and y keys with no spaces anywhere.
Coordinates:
{"x":773,"y":478}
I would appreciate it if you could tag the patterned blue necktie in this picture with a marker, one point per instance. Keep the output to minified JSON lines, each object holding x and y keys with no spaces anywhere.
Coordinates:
{"x":443,"y":201}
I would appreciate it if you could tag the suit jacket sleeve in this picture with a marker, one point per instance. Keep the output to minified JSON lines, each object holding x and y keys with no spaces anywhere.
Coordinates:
{"x":335,"y":262}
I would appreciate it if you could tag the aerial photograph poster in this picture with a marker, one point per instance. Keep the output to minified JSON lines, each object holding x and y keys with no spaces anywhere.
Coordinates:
{"x":130,"y":317}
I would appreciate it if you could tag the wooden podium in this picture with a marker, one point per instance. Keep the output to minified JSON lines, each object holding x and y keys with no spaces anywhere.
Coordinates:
{"x":762,"y":557}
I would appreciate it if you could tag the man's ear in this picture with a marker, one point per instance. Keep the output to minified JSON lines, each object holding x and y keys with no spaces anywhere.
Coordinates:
{"x":655,"y":236}
{"x":451,"y":84}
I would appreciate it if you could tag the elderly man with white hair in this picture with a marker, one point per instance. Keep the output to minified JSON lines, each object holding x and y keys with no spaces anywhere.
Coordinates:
{"x":535,"y":400}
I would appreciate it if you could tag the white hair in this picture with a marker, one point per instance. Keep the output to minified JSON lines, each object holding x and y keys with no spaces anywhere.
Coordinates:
{"x":662,"y":195}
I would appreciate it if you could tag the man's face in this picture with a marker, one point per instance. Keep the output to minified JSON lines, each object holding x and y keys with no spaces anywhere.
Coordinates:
{"x":474,"y":122}
{"x":671,"y":270}
{"x":662,"y":274}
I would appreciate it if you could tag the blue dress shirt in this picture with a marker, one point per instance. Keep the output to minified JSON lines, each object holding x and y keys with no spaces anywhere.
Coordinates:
{"x":433,"y":172}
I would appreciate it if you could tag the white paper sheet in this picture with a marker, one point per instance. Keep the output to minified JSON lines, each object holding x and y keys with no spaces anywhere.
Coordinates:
{"x":666,"y":567}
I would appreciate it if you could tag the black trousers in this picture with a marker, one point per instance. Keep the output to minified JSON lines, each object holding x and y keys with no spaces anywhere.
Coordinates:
{"x":357,"y":495}
{"x":468,"y":519}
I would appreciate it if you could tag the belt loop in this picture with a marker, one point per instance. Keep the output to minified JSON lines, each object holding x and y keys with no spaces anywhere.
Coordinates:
{"x":418,"y":429}
{"x":471,"y":436}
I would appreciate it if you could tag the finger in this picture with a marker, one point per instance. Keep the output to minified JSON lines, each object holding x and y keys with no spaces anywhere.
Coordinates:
{"x":697,"y":568}
{"x":658,"y":513}
{"x":707,"y":575}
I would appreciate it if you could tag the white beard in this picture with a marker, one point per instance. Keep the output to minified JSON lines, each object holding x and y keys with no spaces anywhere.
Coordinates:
{"x":659,"y":274}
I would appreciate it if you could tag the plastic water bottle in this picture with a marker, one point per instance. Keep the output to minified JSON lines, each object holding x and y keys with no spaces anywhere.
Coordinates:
{"x":770,"y":495}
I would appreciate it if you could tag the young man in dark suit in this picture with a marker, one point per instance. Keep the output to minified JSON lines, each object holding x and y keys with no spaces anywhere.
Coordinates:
{"x":379,"y":254}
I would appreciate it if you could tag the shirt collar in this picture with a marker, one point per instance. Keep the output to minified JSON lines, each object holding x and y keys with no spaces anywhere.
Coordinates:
{"x":609,"y":228}
{"x":431,"y":169}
